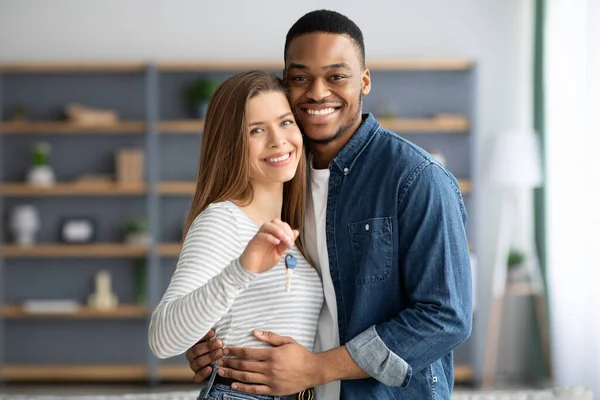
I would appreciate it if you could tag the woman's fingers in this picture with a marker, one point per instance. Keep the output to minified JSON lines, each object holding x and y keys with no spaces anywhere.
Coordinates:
{"x":279,"y":231}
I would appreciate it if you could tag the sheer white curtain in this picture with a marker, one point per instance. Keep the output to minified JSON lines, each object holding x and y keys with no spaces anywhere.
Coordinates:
{"x":572,"y":82}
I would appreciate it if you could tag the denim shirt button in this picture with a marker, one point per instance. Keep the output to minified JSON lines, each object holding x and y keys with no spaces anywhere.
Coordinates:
{"x":367,"y":227}
{"x":346,"y":171}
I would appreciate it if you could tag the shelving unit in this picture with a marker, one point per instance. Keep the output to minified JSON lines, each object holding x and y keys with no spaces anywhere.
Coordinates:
{"x":435,"y":110}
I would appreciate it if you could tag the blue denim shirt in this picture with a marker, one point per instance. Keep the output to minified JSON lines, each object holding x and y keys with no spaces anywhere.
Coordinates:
{"x":399,"y":261}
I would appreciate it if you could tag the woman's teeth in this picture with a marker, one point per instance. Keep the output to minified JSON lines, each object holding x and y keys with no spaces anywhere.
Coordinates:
{"x":278,"y":159}
{"x":324,"y":111}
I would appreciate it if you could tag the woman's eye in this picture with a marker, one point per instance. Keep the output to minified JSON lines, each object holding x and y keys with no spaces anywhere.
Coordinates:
{"x":287,"y":122}
{"x":255,"y":131}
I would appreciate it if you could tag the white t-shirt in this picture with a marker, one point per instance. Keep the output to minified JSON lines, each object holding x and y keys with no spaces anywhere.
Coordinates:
{"x":328,"y":336}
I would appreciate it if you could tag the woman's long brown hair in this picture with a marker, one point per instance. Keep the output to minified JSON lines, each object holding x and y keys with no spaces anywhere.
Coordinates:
{"x":224,"y":168}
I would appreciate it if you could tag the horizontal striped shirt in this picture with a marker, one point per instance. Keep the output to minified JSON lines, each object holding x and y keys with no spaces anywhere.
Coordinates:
{"x":210,"y":289}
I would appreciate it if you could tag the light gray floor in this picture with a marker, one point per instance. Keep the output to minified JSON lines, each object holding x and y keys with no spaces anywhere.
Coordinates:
{"x":95,"y":389}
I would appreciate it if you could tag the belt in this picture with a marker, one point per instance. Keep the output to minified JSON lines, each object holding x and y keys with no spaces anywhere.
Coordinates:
{"x":306,"y":394}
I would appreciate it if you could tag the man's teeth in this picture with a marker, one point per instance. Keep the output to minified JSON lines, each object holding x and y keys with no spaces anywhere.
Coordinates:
{"x":278,"y":159}
{"x":324,"y":111}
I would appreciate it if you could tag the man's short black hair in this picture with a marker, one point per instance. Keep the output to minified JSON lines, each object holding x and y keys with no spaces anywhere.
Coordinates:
{"x":325,"y":21}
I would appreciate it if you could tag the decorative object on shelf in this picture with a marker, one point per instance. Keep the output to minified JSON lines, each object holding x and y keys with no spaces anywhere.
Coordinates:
{"x":88,"y":116}
{"x":41,"y":174}
{"x":77,"y":230}
{"x":129,"y":166}
{"x":387,"y":111}
{"x":53,"y":306}
{"x":198,"y":95}
{"x":19,"y":113}
{"x":103,"y":298}
{"x":439,"y":156}
{"x":516,"y":266}
{"x":136,"y":231}
{"x":25,"y":224}
{"x":140,"y":280}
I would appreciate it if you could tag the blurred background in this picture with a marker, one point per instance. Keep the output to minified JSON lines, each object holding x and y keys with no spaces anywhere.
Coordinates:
{"x":101,"y":107}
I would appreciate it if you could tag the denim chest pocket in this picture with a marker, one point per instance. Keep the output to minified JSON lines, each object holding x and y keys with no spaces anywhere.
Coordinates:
{"x":372,"y":248}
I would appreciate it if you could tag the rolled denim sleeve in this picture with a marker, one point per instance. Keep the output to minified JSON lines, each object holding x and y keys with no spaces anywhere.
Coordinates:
{"x":435,"y":270}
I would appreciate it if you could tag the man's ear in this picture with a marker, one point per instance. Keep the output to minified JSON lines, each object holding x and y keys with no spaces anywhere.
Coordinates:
{"x":366,"y":82}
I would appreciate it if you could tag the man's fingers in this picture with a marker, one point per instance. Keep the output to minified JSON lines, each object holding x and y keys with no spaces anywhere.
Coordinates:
{"x":243,"y":365}
{"x":250,"y":353}
{"x":272,"y":338}
{"x":242,"y":376}
{"x":201,"y":375}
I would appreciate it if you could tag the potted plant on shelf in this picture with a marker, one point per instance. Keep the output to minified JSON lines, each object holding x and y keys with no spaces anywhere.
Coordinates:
{"x":41,"y":174}
{"x":20,"y":113}
{"x":517,"y":271}
{"x":136,"y":231}
{"x":198,"y":95}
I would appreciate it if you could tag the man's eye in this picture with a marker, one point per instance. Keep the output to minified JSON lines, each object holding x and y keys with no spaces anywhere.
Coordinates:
{"x":298,"y":78}
{"x":337,"y":77}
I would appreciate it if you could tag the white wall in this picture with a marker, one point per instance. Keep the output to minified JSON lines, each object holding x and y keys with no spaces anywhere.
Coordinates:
{"x":495,"y":33}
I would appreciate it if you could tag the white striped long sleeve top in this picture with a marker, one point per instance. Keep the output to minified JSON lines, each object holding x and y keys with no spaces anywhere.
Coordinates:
{"x":210,"y":289}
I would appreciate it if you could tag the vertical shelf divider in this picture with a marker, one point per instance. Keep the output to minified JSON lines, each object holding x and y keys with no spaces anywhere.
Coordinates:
{"x":2,"y":341}
{"x":153,"y":209}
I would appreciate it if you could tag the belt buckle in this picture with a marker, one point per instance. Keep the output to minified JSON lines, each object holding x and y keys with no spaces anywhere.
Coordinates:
{"x":306,"y":394}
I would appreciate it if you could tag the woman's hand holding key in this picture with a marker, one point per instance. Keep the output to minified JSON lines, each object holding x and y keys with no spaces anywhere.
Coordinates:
{"x":265,"y":249}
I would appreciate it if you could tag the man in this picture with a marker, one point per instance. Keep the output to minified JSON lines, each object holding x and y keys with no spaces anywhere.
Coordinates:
{"x":385,"y":227}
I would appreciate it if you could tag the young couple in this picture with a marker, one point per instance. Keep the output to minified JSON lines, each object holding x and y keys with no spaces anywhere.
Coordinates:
{"x":381,"y":291}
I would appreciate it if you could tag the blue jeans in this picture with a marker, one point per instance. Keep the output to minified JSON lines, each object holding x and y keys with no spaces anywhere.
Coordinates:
{"x":224,"y":392}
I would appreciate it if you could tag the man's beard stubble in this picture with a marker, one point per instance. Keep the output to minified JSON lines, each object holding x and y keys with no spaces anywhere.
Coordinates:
{"x":340,"y":131}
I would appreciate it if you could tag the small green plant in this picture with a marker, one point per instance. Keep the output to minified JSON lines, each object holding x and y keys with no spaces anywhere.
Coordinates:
{"x":20,"y":112}
{"x":135,"y":225}
{"x":41,"y":153}
{"x":200,"y":91}
{"x":516,"y":258}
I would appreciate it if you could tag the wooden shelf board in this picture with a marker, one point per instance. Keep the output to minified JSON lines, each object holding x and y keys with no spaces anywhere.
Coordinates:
{"x":273,"y":65}
{"x":72,"y":250}
{"x":122,"y":311}
{"x":463,"y":373}
{"x":465,"y":186}
{"x":181,"y":126}
{"x":411,"y":125}
{"x":425,"y":125}
{"x":218,"y":65}
{"x":416,"y":64}
{"x":73,"y":372}
{"x":74,"y":189}
{"x":175,"y":373}
{"x":170,"y":249}
{"x":37,"y":67}
{"x":177,"y":188}
{"x":68,"y":128}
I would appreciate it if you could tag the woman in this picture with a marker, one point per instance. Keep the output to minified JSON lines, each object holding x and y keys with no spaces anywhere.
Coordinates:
{"x":250,"y":191}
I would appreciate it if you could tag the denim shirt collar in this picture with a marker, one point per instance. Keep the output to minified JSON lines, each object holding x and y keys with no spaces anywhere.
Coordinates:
{"x":351,"y":151}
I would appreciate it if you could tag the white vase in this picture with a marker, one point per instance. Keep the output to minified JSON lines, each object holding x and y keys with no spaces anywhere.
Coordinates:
{"x":25,"y":224}
{"x":41,"y":175}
